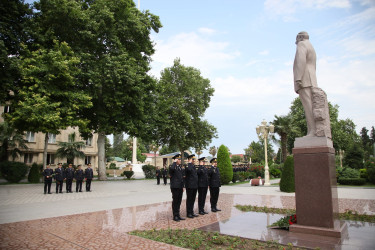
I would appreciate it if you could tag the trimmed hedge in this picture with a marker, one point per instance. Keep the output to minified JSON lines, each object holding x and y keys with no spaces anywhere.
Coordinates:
{"x":236,"y":177}
{"x":128,"y":174}
{"x":287,"y":176}
{"x":371,"y":175}
{"x":224,"y":164}
{"x":149,"y":171}
{"x":34,"y":174}
{"x":352,"y":181}
{"x":13,"y":172}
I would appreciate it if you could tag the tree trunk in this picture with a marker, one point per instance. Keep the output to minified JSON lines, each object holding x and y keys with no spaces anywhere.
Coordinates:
{"x":101,"y":157}
{"x":182,"y":156}
{"x":45,"y":151}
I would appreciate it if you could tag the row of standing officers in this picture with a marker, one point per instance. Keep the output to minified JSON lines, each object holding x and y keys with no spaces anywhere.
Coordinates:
{"x":194,"y":179}
{"x":68,"y":174}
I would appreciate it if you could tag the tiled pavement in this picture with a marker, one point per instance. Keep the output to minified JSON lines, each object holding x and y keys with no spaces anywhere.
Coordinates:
{"x":102,"y":218}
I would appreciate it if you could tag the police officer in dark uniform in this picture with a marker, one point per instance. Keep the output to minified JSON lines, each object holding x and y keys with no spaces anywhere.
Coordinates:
{"x":202,"y":185}
{"x":177,"y":173}
{"x":164,"y":173}
{"x":69,"y":175}
{"x":59,"y":177}
{"x":47,"y":173}
{"x":89,"y":175}
{"x":191,"y":184}
{"x":214,"y":183}
{"x":158,"y":175}
{"x":79,"y":175}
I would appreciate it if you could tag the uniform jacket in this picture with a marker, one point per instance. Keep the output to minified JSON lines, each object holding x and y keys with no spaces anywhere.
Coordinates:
{"x":158,"y":173}
{"x":89,"y":174}
{"x":202,"y":176}
{"x":47,"y":172}
{"x":177,"y":173}
{"x":79,"y":175}
{"x":214,"y":177}
{"x":69,"y":173}
{"x":59,"y":174}
{"x":191,"y":179}
{"x":164,"y":172}
{"x":304,"y":67}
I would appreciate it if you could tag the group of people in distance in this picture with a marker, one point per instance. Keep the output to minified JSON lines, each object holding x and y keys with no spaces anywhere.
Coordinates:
{"x":195,"y":178}
{"x":68,"y":175}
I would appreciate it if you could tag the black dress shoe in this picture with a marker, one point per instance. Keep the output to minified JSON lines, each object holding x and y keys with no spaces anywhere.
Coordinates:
{"x":217,"y":210}
{"x":49,"y":193}
{"x":201,"y":213}
{"x":205,"y":212}
{"x":190,"y":216}
{"x":176,"y":218}
{"x":213,"y":210}
{"x":181,"y":218}
{"x":45,"y":193}
{"x":195,"y":215}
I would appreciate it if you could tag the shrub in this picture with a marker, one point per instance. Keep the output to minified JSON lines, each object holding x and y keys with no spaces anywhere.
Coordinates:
{"x":224,"y":165}
{"x":275,"y":172}
{"x":149,"y":171}
{"x":243,"y":176}
{"x":252,"y":175}
{"x":13,"y":171}
{"x":363,"y":173}
{"x":354,"y":156}
{"x":370,"y":163}
{"x":352,"y":181}
{"x":349,"y":173}
{"x":128,"y":174}
{"x":236,"y":177}
{"x":371,"y":175}
{"x":34,"y":174}
{"x":258,"y":169}
{"x":287,"y":177}
{"x":113,"y":166}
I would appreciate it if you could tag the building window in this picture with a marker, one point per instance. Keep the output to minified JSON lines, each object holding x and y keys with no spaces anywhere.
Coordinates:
{"x":87,"y":160}
{"x":50,"y":159}
{"x":6,"y":109}
{"x":30,"y":136}
{"x":89,"y":141}
{"x":28,"y":158}
{"x":51,"y":138}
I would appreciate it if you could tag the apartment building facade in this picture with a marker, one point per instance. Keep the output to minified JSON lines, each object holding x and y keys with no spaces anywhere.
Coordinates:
{"x":35,"y":146}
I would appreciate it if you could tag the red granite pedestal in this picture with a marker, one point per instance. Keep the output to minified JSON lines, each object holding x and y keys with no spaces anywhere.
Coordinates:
{"x":316,"y":192}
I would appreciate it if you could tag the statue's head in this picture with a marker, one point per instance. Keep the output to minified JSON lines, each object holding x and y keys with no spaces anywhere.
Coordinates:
{"x":302,"y":36}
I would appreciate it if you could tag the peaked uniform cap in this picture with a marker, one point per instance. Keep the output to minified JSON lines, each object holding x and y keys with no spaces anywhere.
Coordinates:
{"x":177,"y":156}
{"x":191,"y":156}
{"x":213,"y":160}
{"x":202,"y":159}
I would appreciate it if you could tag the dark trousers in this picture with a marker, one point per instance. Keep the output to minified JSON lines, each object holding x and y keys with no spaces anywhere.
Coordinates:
{"x":79,"y":185}
{"x":158,"y":180}
{"x":69,"y":185}
{"x":88,"y":184}
{"x":165,"y":180}
{"x":214,"y":196}
{"x":176,"y":200}
{"x":47,"y":183}
{"x":59,"y":186}
{"x":202,"y":193}
{"x":191,"y":194}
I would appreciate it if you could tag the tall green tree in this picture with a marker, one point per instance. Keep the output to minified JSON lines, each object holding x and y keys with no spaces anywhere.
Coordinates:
{"x":166,"y":149}
{"x":117,"y":143}
{"x":14,"y":22}
{"x":283,"y":127}
{"x":257,"y":151}
{"x":183,"y":97}
{"x":11,"y":141}
{"x":224,"y":164}
{"x":112,"y":39}
{"x":50,"y":98}
{"x":70,"y":149}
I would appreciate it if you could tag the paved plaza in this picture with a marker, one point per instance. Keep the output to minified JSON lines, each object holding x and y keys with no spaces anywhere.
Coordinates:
{"x":101,"y":219}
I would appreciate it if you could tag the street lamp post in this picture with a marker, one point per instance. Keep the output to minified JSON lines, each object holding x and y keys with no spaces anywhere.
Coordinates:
{"x":263,"y":130}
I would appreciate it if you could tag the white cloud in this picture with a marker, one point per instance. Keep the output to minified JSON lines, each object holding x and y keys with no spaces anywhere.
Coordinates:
{"x":206,"y":31}
{"x":286,"y":8}
{"x":264,"y":53}
{"x":194,"y":50}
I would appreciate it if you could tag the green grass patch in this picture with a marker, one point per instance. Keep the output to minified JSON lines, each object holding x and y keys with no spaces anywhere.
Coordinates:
{"x":197,"y":239}
{"x":348,"y":215}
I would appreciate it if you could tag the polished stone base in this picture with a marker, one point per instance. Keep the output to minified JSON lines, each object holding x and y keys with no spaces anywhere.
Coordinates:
{"x":316,"y":189}
{"x":138,"y":172}
{"x":337,"y":232}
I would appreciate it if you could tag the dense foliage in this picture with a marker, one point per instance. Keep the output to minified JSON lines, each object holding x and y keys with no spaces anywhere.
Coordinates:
{"x":287,"y":176}
{"x":13,"y":172}
{"x":149,"y":171}
{"x":128,"y":174}
{"x":352,"y":181}
{"x":224,"y":165}
{"x":34,"y":173}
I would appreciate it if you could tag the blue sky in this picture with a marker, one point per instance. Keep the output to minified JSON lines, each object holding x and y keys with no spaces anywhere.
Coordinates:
{"x":247,"y":48}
